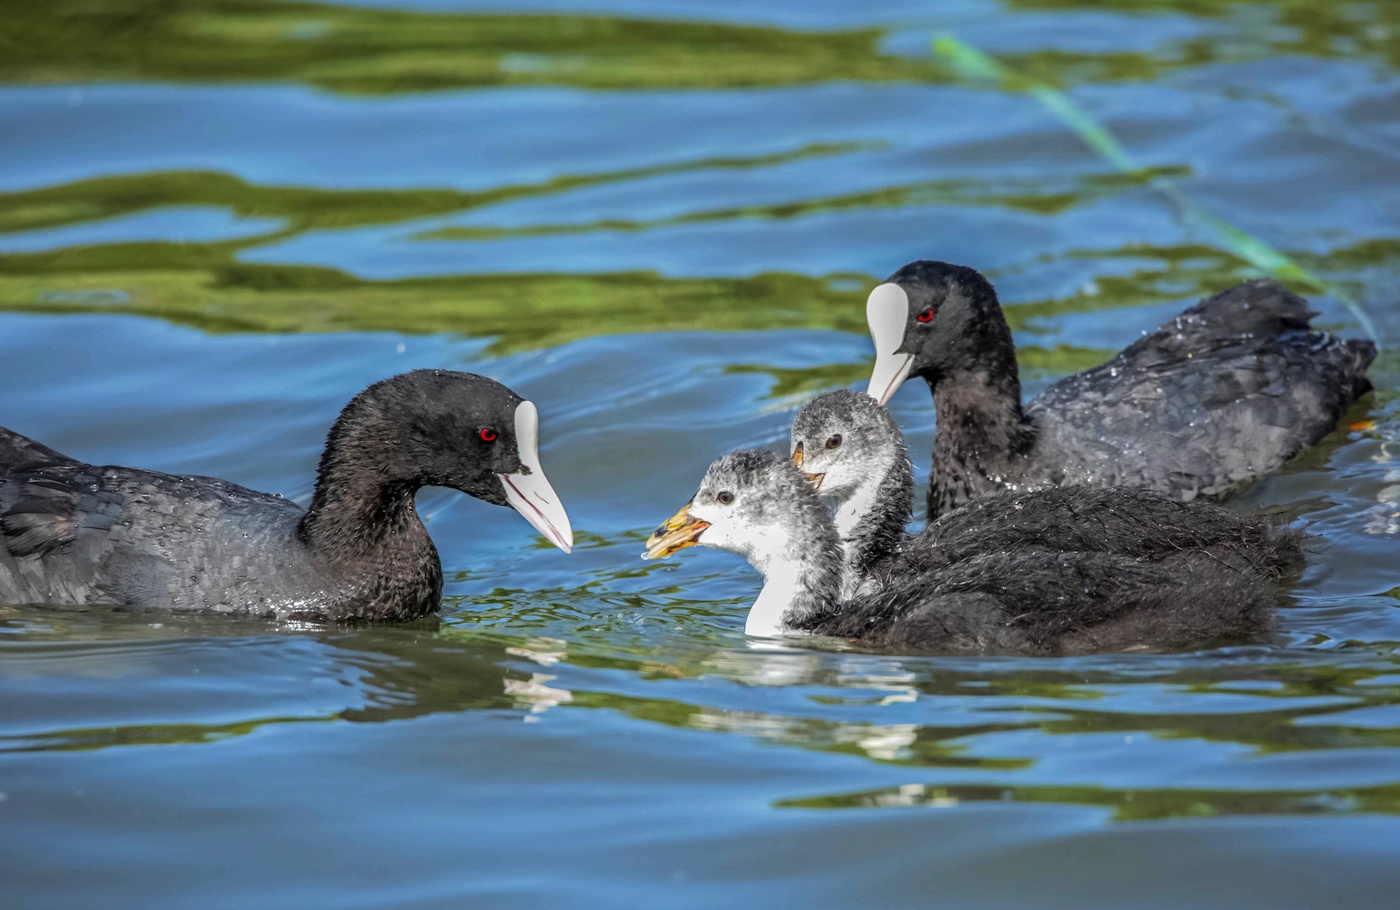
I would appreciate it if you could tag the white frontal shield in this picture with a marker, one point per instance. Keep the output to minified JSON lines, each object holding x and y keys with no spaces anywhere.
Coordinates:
{"x":887,"y":313}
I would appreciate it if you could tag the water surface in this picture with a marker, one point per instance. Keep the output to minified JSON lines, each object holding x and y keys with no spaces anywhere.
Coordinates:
{"x":219,"y":219}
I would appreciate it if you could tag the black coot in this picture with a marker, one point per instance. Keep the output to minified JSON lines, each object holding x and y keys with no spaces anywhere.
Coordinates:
{"x":1224,"y":393}
{"x":73,"y":533}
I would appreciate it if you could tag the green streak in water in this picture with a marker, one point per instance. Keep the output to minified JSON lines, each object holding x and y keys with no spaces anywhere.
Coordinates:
{"x":200,"y":285}
{"x":366,"y":50}
{"x":93,"y":738}
{"x":303,"y":208}
{"x":1276,"y":28}
{"x":973,"y":63}
{"x":1021,"y":195}
{"x":1124,"y":804}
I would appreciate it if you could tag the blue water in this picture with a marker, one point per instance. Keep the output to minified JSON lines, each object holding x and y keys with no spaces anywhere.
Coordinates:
{"x":591,"y":730}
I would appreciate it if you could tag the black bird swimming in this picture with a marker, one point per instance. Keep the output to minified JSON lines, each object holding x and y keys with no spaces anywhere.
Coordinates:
{"x":1222,"y":394}
{"x":851,"y":449}
{"x":1028,"y":600}
{"x":73,"y":533}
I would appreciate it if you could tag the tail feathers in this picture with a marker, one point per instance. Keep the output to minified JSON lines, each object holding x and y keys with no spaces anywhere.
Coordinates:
{"x":1360,"y":354}
{"x":1258,"y":307}
{"x":20,"y":452}
{"x":1264,"y":309}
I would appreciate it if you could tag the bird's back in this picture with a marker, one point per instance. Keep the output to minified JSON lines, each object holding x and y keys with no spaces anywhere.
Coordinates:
{"x":1038,"y":601}
{"x":1128,"y":521}
{"x":75,"y":533}
{"x":18,"y":452}
{"x":1223,"y":393}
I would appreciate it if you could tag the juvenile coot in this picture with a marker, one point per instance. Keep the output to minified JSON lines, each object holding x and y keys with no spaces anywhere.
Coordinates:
{"x":1028,"y":600}
{"x":852,"y":451}
{"x":1224,"y":393}
{"x":849,"y":446}
{"x":72,"y":533}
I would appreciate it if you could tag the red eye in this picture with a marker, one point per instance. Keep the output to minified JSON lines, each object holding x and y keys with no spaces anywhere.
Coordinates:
{"x":926,"y":315}
{"x":487,"y":434}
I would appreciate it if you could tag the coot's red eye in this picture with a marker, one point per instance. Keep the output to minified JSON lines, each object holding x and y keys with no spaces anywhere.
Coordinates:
{"x":487,"y":434}
{"x":926,"y":315}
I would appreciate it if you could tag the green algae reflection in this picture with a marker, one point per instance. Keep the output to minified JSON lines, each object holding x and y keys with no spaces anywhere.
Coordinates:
{"x":208,"y":285}
{"x":307,"y":208}
{"x":381,"y":51}
{"x":365,"y":50}
{"x":519,"y":311}
{"x":205,"y":285}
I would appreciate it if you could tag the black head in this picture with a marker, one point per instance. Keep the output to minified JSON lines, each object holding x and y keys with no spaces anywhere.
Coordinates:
{"x":931,"y":319}
{"x":448,"y":429}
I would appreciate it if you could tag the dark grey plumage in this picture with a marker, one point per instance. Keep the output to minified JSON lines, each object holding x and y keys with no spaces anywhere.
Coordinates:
{"x":1030,"y":599}
{"x":1050,"y":602}
{"x":72,"y":533}
{"x":18,"y":452}
{"x":1128,"y":521}
{"x":1222,"y":394}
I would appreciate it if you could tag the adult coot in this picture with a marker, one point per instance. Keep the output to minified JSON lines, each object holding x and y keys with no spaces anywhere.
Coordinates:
{"x":1029,"y":600}
{"x":1224,"y":393}
{"x":72,"y":533}
{"x":852,"y":451}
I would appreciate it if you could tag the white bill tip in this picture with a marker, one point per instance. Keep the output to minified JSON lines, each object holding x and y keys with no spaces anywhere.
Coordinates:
{"x":530,"y":494}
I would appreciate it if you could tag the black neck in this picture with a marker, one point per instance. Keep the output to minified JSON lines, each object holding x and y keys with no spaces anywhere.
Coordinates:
{"x":352,"y":515}
{"x":363,"y":517}
{"x":982,"y":438}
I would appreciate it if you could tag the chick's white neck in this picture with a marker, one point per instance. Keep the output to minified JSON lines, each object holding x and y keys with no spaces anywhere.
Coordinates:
{"x":782,"y":584}
{"x":798,"y":556}
{"x":852,"y":509}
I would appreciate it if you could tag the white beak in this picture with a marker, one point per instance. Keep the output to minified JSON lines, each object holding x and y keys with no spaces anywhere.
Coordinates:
{"x":530,"y":494}
{"x":887,"y":313}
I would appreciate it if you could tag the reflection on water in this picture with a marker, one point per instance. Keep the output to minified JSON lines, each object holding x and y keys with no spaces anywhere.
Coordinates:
{"x":956,"y":713}
{"x":1129,"y":805}
{"x":365,"y":50}
{"x":380,"y":50}
{"x":219,"y":219}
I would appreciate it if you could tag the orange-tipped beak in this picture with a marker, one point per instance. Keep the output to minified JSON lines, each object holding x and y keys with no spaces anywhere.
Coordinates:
{"x":814,"y":479}
{"x":679,"y":531}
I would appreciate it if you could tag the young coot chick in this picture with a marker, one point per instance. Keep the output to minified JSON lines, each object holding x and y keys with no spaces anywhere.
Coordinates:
{"x":1224,"y":393}
{"x":1029,"y":600}
{"x":851,"y":449}
{"x":72,"y":533}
